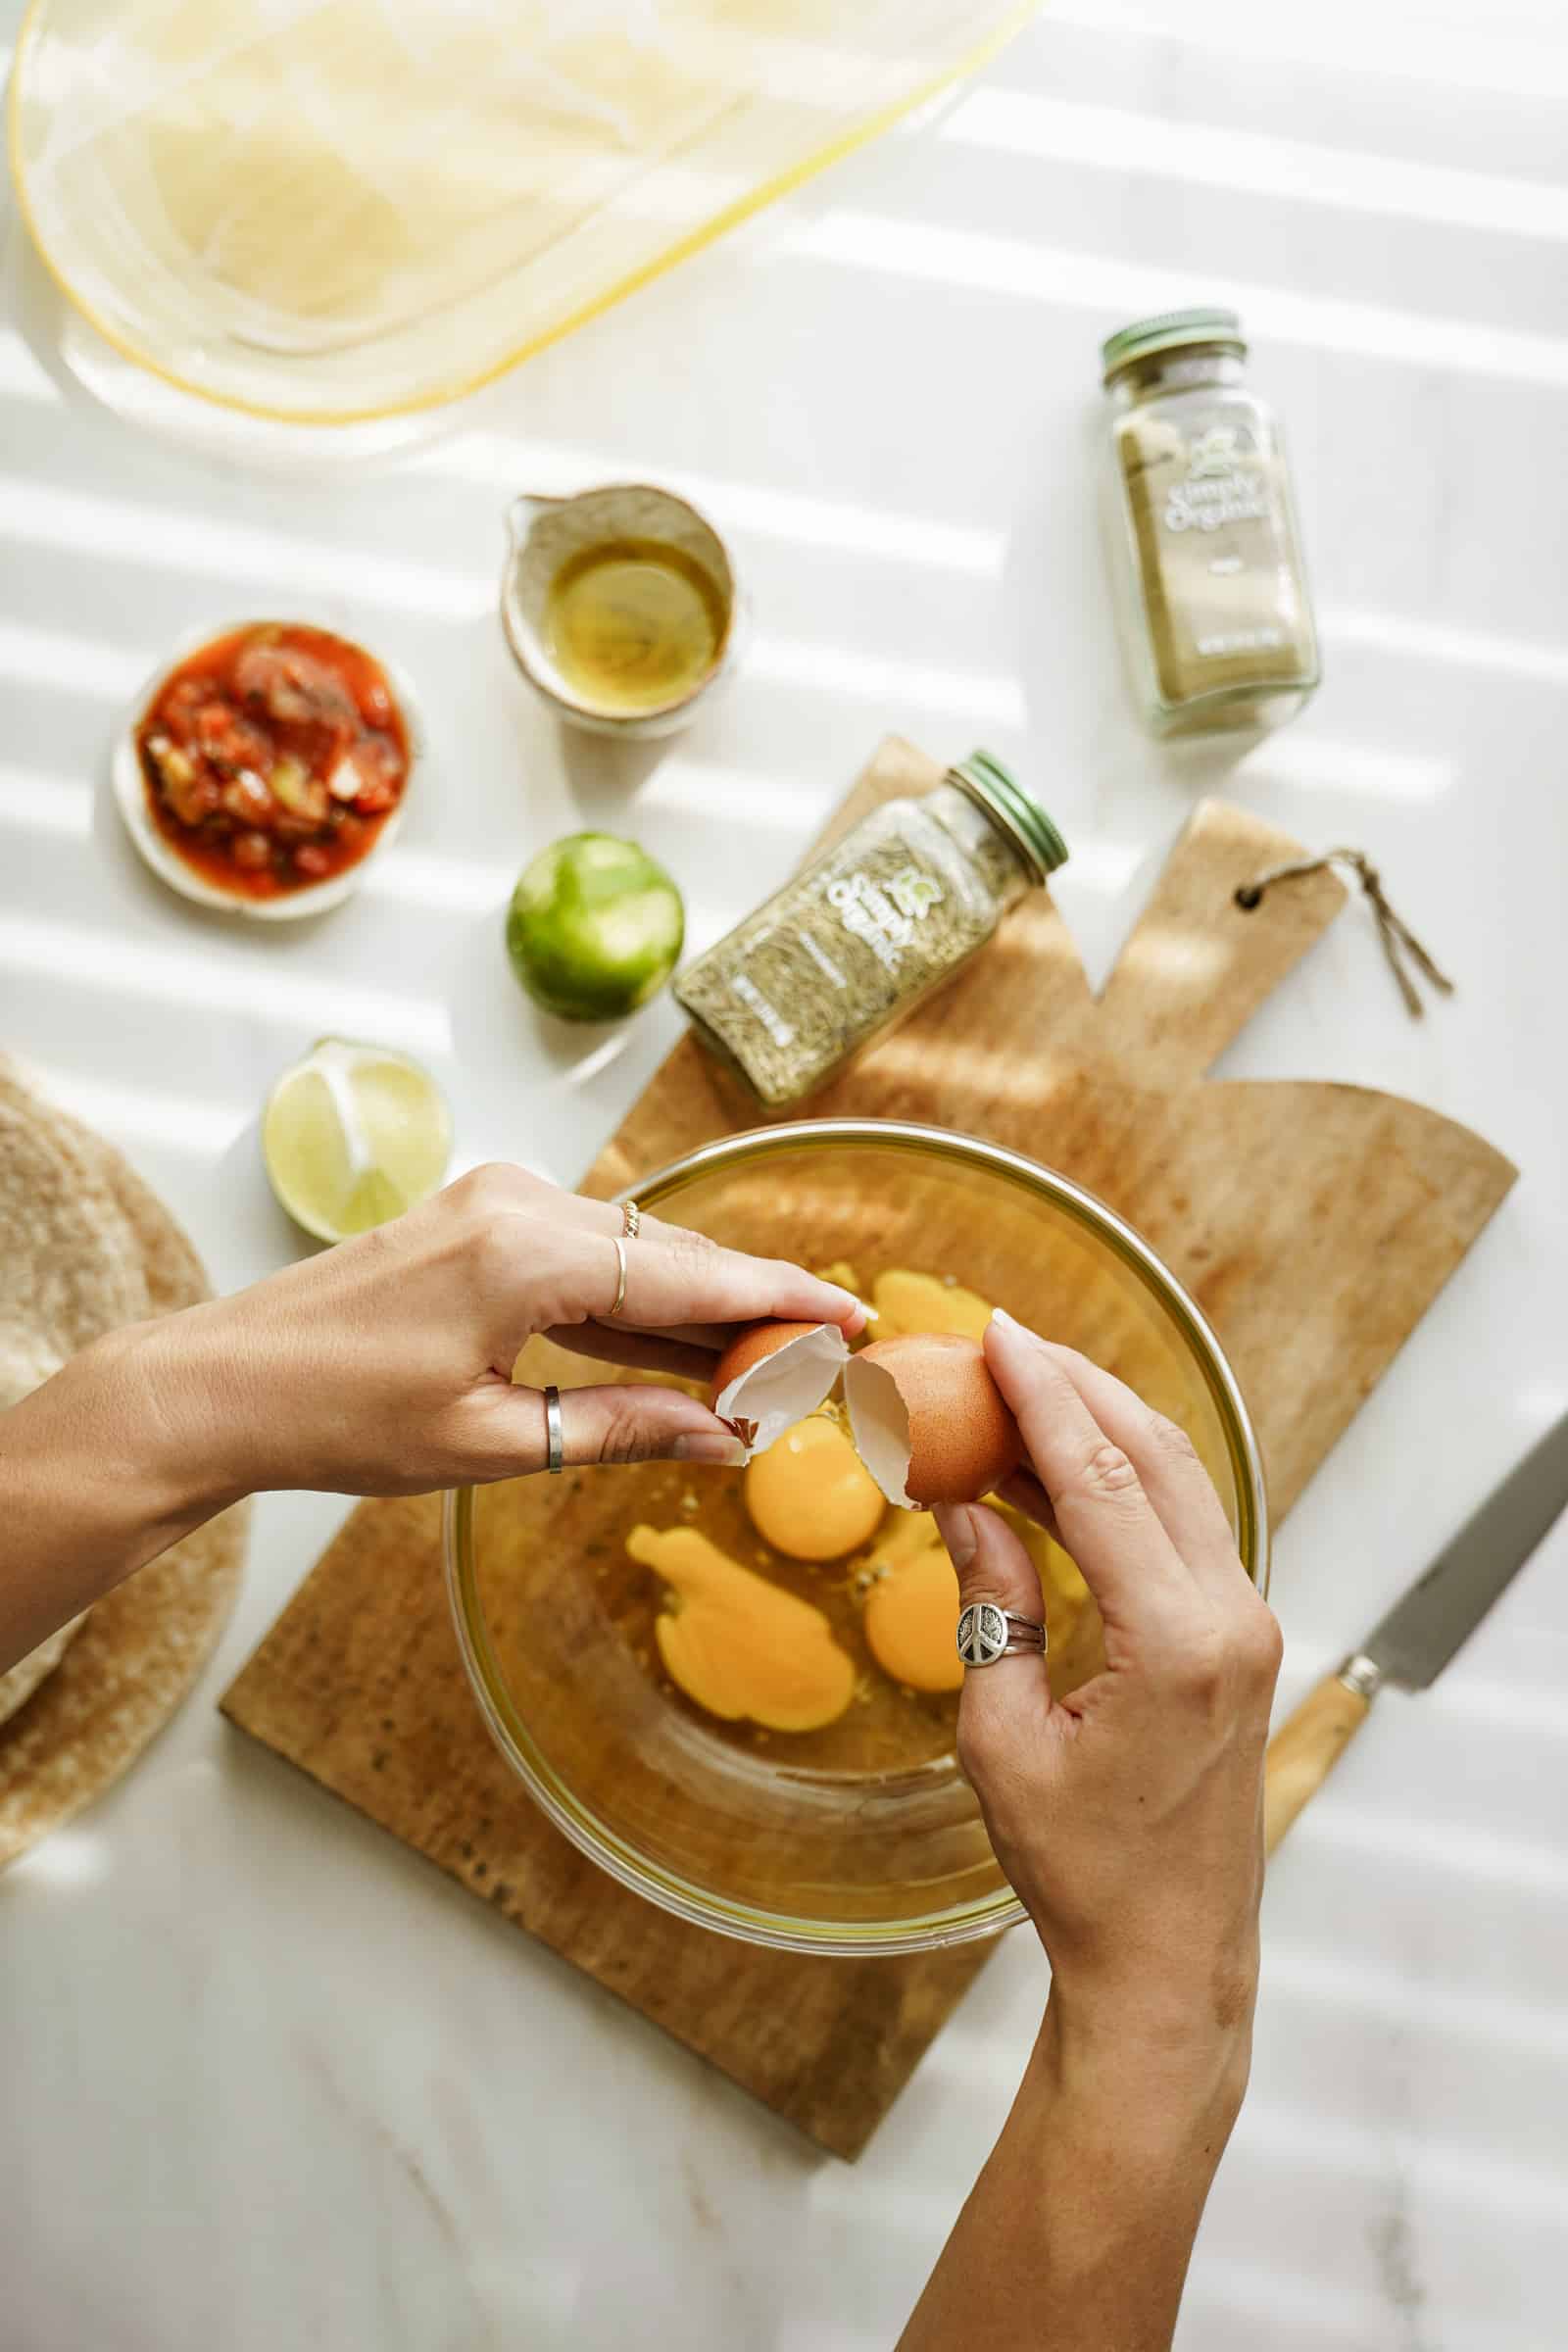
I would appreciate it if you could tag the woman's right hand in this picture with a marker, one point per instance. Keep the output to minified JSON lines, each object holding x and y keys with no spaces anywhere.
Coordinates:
{"x":1129,"y":1818}
{"x":1127,"y":1815}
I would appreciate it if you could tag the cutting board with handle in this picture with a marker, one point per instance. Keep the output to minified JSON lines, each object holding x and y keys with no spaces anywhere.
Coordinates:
{"x":1314,"y":1223}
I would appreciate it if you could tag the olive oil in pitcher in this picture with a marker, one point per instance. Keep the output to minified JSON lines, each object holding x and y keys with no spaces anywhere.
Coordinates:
{"x":633,"y":625}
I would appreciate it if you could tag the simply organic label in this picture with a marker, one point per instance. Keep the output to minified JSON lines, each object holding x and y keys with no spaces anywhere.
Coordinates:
{"x":1224,"y":483}
{"x":884,"y":915}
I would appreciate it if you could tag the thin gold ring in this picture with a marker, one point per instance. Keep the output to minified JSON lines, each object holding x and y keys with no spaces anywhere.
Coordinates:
{"x":619,"y":1300}
{"x":631,"y":1220}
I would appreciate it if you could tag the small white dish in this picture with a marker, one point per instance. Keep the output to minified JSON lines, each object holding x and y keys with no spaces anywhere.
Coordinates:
{"x":131,"y":797}
{"x":544,"y":532}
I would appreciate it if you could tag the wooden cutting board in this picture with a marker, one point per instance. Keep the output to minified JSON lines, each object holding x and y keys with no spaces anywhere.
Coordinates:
{"x":1314,"y":1223}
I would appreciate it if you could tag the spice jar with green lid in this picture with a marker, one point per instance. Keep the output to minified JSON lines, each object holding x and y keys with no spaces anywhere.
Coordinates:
{"x":1206,"y":558}
{"x":866,"y":931}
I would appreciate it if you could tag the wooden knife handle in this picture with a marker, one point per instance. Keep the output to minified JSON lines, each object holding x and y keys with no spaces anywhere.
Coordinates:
{"x":1306,"y":1749}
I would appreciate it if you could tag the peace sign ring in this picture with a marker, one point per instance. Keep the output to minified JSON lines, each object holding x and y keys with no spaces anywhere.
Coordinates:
{"x":988,"y":1632}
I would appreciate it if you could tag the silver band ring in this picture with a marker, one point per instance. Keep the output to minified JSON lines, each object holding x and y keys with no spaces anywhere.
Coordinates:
{"x":555,"y":1435}
{"x":619,"y":1300}
{"x":988,"y":1632}
{"x":631,"y":1220}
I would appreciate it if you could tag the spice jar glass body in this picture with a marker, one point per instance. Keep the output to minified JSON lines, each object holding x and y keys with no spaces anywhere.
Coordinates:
{"x":1205,"y":557}
{"x":860,"y":938}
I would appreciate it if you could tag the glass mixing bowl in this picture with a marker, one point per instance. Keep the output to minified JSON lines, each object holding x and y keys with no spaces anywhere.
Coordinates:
{"x":866,"y":1838}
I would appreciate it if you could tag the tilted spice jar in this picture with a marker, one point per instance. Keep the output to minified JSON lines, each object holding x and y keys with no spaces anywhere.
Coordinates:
{"x":1206,"y":561}
{"x":867,"y":930}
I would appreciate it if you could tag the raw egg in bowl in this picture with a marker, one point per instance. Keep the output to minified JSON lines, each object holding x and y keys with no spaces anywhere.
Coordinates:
{"x":730,"y":1686}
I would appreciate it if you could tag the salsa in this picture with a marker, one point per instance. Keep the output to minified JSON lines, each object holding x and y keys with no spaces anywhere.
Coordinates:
{"x":273,"y":758}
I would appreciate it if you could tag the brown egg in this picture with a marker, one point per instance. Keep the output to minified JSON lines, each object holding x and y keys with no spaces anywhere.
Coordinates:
{"x":772,"y":1375}
{"x":929,"y":1421}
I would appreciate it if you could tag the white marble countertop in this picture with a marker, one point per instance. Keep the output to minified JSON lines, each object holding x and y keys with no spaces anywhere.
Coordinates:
{"x":269,"y":2081}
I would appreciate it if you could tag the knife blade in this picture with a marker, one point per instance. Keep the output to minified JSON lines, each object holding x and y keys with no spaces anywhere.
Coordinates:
{"x":1413,"y":1642}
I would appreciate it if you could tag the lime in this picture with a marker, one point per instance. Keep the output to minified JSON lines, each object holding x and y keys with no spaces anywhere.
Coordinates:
{"x":595,"y":927}
{"x":353,"y":1135}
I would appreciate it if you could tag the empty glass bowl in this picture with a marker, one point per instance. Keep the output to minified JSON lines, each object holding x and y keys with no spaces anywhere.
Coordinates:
{"x":863,"y":1838}
{"x":327,"y":214}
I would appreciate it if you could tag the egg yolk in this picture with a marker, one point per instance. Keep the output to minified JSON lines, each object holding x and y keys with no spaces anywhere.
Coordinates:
{"x":738,"y":1646}
{"x":910,"y":1302}
{"x":912,"y":1613}
{"x":911,"y":1616}
{"x":810,"y":1495}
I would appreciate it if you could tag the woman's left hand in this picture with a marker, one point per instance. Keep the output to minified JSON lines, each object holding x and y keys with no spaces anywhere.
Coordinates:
{"x":384,"y":1365}
{"x":381,"y":1367}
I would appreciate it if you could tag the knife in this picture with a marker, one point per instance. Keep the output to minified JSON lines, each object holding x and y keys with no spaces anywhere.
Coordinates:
{"x":1421,"y":1632}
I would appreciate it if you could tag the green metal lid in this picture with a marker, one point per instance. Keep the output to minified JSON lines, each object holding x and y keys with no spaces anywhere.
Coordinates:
{"x":1025,"y":823}
{"x":1168,"y":330}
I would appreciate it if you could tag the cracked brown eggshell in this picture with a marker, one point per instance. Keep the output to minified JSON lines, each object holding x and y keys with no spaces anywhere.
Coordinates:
{"x":772,"y":1375}
{"x":929,"y":1421}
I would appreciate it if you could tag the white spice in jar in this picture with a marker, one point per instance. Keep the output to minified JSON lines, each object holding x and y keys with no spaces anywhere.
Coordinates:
{"x":1206,"y":560}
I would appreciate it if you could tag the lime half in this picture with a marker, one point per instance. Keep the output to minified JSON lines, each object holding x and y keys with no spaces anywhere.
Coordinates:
{"x":354,"y":1135}
{"x":595,"y":927}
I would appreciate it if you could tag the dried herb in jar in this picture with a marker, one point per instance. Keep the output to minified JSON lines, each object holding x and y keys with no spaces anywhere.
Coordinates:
{"x":868,"y":930}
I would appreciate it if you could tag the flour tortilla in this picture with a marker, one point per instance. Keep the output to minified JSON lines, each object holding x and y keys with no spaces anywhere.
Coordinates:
{"x":85,"y":1246}
{"x":19,"y":1684}
{"x":70,"y":1267}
